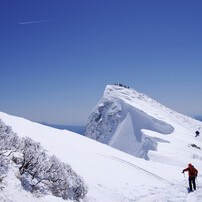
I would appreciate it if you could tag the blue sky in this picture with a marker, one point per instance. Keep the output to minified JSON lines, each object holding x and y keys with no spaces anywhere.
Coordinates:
{"x":57,"y":56}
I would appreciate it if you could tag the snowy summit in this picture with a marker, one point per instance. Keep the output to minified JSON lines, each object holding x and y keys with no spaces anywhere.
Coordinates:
{"x":146,"y":148}
{"x":136,"y":124}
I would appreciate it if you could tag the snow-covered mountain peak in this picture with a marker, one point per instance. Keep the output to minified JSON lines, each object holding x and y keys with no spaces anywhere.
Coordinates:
{"x":143,"y":102}
{"x":136,"y":124}
{"x":163,"y":136}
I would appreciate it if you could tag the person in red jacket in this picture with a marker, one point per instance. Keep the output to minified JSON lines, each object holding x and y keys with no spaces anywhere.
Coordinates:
{"x":193,"y":172}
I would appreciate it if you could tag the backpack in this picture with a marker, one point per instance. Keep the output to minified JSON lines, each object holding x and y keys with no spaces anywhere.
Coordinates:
{"x":192,"y":171}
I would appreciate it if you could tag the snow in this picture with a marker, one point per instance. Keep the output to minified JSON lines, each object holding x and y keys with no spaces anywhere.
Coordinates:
{"x":13,"y":190}
{"x":134,"y":123}
{"x":162,"y":138}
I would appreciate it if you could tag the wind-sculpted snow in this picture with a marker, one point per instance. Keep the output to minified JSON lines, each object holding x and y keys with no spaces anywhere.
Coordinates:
{"x":138,"y":125}
{"x":116,"y":121}
{"x":129,"y":136}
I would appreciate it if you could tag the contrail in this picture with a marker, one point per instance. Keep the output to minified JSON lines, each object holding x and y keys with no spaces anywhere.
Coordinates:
{"x":33,"y":22}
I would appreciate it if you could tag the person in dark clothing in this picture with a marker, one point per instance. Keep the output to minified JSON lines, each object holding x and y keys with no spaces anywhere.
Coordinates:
{"x":193,"y":172}
{"x":197,"y":133}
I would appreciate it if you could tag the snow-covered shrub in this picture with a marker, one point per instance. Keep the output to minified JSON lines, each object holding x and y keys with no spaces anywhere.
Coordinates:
{"x":39,"y":172}
{"x":9,"y":143}
{"x":33,"y":156}
{"x":9,"y":139}
{"x":48,"y":173}
{"x":63,"y":181}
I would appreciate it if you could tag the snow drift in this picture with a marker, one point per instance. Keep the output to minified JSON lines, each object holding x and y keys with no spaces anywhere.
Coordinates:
{"x":125,"y":119}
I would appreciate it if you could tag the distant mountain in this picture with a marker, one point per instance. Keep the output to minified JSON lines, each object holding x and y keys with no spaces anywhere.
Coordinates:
{"x":77,"y":129}
{"x":198,"y":118}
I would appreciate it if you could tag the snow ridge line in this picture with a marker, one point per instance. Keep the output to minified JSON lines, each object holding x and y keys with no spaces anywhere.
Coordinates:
{"x":134,"y":166}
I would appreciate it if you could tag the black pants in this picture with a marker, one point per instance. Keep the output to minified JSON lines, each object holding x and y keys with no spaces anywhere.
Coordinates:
{"x":192,"y":181}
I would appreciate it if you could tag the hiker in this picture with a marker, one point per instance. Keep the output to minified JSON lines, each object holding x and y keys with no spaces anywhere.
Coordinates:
{"x":192,"y":175}
{"x":197,"y":133}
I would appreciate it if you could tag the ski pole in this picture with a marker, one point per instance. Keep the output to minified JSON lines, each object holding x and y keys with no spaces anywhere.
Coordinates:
{"x":185,"y":179}
{"x":197,"y":182}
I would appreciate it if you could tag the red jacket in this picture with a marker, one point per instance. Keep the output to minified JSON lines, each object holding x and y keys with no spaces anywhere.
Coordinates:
{"x":192,"y":171}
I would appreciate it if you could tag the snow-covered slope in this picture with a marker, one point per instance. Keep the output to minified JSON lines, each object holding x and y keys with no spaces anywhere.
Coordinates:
{"x":134,"y":123}
{"x":110,"y":174}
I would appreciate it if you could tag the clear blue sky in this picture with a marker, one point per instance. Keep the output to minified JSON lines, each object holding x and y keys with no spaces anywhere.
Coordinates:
{"x":57,"y":56}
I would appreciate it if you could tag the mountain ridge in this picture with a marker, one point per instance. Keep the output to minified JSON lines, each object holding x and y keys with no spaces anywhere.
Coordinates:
{"x":107,"y":123}
{"x":74,"y":128}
